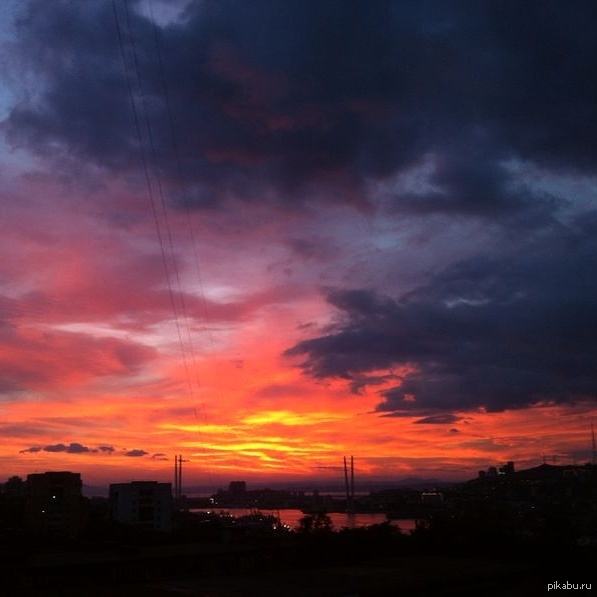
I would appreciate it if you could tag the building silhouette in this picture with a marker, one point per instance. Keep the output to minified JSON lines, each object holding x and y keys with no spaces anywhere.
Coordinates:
{"x":237,"y":488}
{"x":146,"y":504}
{"x":55,"y":504}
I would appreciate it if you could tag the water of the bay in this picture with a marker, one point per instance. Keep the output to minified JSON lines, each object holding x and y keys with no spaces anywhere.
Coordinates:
{"x":339,"y":520}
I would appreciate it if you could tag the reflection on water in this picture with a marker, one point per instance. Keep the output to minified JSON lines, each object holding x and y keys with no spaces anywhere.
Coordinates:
{"x":340,"y":520}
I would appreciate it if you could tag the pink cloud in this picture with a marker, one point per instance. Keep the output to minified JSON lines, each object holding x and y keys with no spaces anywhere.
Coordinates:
{"x":34,"y":360}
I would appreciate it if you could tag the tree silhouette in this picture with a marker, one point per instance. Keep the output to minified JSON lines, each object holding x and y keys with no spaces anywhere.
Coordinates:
{"x":318,"y":523}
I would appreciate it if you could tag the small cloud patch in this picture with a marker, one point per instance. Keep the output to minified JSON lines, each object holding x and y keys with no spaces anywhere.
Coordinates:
{"x":135,"y":453}
{"x":438,"y":420}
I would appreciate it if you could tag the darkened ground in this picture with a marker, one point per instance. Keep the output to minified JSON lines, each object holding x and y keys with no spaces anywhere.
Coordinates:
{"x":508,"y":536}
{"x":421,"y":575}
{"x":359,"y":562}
{"x":431,"y":575}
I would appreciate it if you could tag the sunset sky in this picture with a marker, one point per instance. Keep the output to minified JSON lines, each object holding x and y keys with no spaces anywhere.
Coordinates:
{"x":266,"y":235}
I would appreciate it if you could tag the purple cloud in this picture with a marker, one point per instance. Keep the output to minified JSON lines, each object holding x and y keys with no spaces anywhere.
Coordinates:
{"x":135,"y":453}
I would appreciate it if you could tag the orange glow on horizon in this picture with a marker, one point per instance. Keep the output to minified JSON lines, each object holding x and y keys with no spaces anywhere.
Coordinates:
{"x":102,"y":384}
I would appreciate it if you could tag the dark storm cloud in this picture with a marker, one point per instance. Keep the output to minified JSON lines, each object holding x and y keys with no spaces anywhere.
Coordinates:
{"x":318,"y":98}
{"x":494,"y":332}
{"x":479,"y":185}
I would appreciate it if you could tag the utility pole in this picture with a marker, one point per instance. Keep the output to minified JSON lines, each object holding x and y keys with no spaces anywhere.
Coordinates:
{"x":178,"y":479}
{"x":352,"y":484}
{"x":175,"y":484}
{"x":346,"y":485}
{"x":349,"y":487}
